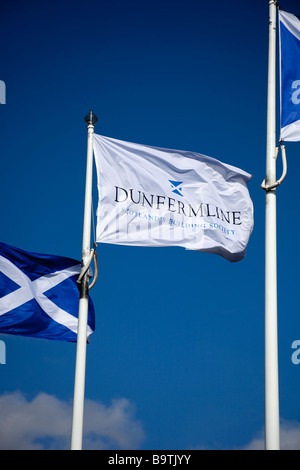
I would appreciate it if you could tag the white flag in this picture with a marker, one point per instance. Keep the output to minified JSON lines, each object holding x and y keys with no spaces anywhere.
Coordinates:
{"x":151,"y":196}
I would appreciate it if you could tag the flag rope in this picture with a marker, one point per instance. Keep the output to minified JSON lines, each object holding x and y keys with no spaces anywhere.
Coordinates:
{"x":93,"y":222}
{"x":276,"y":4}
{"x":96,"y":269}
{"x":84,"y":269}
{"x":93,"y":254}
{"x":284,"y":169}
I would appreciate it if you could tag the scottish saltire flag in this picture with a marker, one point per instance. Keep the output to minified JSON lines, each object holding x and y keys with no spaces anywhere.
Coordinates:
{"x":150,"y":196}
{"x":39,"y":296}
{"x":290,"y":76}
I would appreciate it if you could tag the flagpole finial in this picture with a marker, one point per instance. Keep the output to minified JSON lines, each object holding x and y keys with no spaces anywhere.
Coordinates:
{"x":91,"y":118}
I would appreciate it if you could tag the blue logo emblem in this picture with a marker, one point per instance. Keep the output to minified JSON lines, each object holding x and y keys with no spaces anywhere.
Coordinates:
{"x":176,"y":187}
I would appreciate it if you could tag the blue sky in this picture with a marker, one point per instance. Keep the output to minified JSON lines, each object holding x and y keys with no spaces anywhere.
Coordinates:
{"x":177,"y":358}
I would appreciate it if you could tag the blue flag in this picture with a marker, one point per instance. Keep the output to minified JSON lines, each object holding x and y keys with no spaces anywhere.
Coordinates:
{"x":39,"y":296}
{"x":290,"y":76}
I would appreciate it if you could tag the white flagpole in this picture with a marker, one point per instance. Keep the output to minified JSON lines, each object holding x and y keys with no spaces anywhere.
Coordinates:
{"x":272,"y":441}
{"x":79,"y":385}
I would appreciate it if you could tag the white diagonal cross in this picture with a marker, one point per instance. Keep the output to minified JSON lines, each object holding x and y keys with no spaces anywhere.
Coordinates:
{"x":35,"y":290}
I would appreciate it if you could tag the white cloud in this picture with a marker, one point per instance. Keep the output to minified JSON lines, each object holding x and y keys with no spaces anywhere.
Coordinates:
{"x":289,"y":437}
{"x":45,"y":422}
